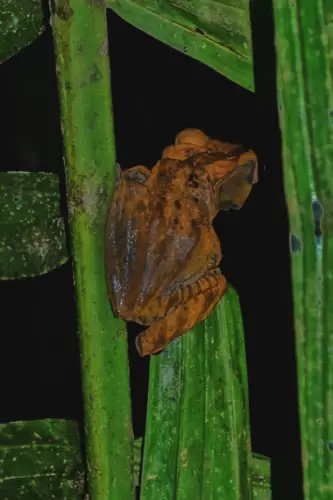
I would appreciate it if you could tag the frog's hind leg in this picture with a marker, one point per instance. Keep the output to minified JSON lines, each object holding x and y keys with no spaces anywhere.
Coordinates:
{"x":198,"y":302}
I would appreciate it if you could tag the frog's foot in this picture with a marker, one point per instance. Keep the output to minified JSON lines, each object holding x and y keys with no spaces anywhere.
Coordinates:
{"x":191,"y":310}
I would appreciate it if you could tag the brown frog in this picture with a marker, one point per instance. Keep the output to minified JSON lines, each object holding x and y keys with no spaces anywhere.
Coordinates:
{"x":162,"y":253}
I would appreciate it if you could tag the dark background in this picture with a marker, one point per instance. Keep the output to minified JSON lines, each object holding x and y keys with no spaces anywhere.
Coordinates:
{"x":158,"y":91}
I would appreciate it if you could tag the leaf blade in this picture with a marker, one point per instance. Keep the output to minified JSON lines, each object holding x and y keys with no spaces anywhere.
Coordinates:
{"x":33,"y":239}
{"x":21,"y":23}
{"x":232,"y":59}
{"x":41,"y":459}
{"x":198,"y":394}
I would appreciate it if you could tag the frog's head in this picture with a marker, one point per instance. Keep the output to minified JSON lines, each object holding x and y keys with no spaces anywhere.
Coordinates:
{"x":228,"y":175}
{"x":233,"y":179}
{"x":227,"y":171}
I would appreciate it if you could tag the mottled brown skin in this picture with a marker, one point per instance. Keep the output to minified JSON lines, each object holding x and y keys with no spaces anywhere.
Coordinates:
{"x":162,"y":253}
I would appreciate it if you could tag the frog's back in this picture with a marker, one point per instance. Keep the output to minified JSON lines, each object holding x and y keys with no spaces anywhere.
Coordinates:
{"x":155,"y":237}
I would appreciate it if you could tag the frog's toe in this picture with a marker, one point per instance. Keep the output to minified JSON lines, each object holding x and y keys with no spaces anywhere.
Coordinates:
{"x":146,"y":344}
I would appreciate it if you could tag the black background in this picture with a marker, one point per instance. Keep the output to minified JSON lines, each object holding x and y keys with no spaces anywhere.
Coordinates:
{"x":158,"y":91}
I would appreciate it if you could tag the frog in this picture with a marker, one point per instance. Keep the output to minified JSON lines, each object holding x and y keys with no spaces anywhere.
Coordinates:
{"x":162,"y":255}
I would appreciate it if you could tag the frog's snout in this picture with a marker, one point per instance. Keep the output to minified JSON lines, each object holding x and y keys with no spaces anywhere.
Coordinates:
{"x":253,"y":177}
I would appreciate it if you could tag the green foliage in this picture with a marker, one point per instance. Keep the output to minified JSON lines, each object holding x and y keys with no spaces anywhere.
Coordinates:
{"x":216,"y":33}
{"x":40,"y":459}
{"x":33,"y":240}
{"x":21,"y":22}
{"x":197,"y":441}
{"x":137,"y":452}
{"x":304,"y":47}
{"x":261,"y":477}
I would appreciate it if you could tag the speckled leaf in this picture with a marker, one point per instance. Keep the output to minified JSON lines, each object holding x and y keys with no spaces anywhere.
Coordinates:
{"x":137,"y":451}
{"x":260,"y":472}
{"x":216,"y":33}
{"x":197,"y":441}
{"x":21,"y":22}
{"x":261,"y":477}
{"x":32,"y":229}
{"x":40,"y":459}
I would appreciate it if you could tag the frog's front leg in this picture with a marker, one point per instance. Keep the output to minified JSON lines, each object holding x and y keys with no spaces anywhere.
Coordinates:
{"x":195,"y":302}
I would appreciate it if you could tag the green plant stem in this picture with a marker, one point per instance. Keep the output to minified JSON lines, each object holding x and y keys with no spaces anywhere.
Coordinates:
{"x":81,"y":41}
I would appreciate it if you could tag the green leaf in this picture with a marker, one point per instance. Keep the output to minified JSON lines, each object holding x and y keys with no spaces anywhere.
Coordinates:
{"x":137,"y":451}
{"x":217,"y":34}
{"x":260,"y":472}
{"x":40,"y":459}
{"x":21,"y":22}
{"x":304,"y":48}
{"x":261,"y":477}
{"x":33,"y":240}
{"x":197,"y":441}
